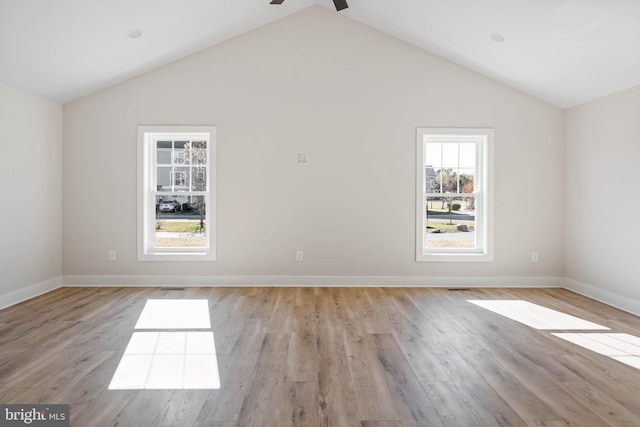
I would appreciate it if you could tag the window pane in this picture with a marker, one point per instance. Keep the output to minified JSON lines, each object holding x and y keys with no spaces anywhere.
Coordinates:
{"x":178,"y":156}
{"x":163,"y":178}
{"x":431,"y":184}
{"x":168,"y":204}
{"x":163,"y":155}
{"x":433,"y":155}
{"x":178,"y":153}
{"x":450,"y":223}
{"x":181,"y":228}
{"x":467,"y":155}
{"x":466,"y":180}
{"x":198,"y":152}
{"x":446,"y":181}
{"x":199,"y":179}
{"x":180,"y":178}
{"x":450,"y":156}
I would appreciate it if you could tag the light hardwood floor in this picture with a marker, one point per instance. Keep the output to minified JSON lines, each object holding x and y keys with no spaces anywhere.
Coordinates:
{"x":368,"y":357}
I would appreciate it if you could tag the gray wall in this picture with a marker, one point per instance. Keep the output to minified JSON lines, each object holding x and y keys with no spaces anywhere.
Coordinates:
{"x":31,"y":176}
{"x":602,"y":196}
{"x":350,"y":96}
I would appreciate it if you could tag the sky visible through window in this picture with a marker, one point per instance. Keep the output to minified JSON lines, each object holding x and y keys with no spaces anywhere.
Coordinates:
{"x":450,"y":155}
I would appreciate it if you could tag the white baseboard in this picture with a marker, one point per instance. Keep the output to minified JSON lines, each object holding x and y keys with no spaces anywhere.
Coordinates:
{"x":327,"y":281}
{"x":623,"y":303}
{"x":29,"y":292}
{"x":620,"y":302}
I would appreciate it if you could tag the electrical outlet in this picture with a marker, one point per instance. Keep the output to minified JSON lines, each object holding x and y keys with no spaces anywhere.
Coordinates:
{"x":534,"y":256}
{"x":299,"y":256}
{"x":112,"y":256}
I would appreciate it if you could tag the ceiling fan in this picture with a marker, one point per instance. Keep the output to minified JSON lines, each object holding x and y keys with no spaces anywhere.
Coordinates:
{"x":340,"y":4}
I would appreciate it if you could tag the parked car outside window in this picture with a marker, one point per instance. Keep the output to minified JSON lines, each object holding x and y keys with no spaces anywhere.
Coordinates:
{"x":168,"y":206}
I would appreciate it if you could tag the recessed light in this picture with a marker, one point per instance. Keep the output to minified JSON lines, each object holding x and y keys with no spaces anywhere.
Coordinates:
{"x":496,"y":37}
{"x":134,"y":34}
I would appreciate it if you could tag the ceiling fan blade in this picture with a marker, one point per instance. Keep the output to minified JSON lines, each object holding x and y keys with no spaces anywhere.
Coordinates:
{"x":276,"y":1}
{"x":340,"y":4}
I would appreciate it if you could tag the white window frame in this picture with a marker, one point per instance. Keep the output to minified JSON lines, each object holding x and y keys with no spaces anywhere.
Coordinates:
{"x":147,"y":190}
{"x":483,"y":138}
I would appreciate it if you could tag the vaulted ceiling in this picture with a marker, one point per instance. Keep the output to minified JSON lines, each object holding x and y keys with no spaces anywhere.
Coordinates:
{"x":565,"y":52}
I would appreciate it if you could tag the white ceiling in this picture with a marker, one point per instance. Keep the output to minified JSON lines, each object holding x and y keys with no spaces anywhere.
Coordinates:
{"x":563,"y":51}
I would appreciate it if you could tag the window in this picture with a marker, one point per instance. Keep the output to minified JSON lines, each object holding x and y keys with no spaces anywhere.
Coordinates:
{"x":453,"y":197}
{"x":176,"y":199}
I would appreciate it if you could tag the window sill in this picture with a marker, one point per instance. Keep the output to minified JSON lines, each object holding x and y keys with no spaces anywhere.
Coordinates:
{"x":454,"y":257}
{"x":177,"y":256}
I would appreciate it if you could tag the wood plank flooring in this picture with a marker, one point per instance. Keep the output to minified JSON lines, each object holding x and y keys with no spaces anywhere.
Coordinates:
{"x":369,"y":357}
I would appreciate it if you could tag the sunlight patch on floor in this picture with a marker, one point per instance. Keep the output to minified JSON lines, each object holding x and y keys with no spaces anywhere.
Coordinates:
{"x":536,"y":316}
{"x":168,"y":360}
{"x":174,"y":356}
{"x":624,"y":348}
{"x":175,"y":314}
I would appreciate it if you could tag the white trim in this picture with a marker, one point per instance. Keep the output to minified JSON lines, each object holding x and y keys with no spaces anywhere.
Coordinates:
{"x":626,"y":304}
{"x":20,"y":295}
{"x":609,"y":298}
{"x":319,"y":281}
